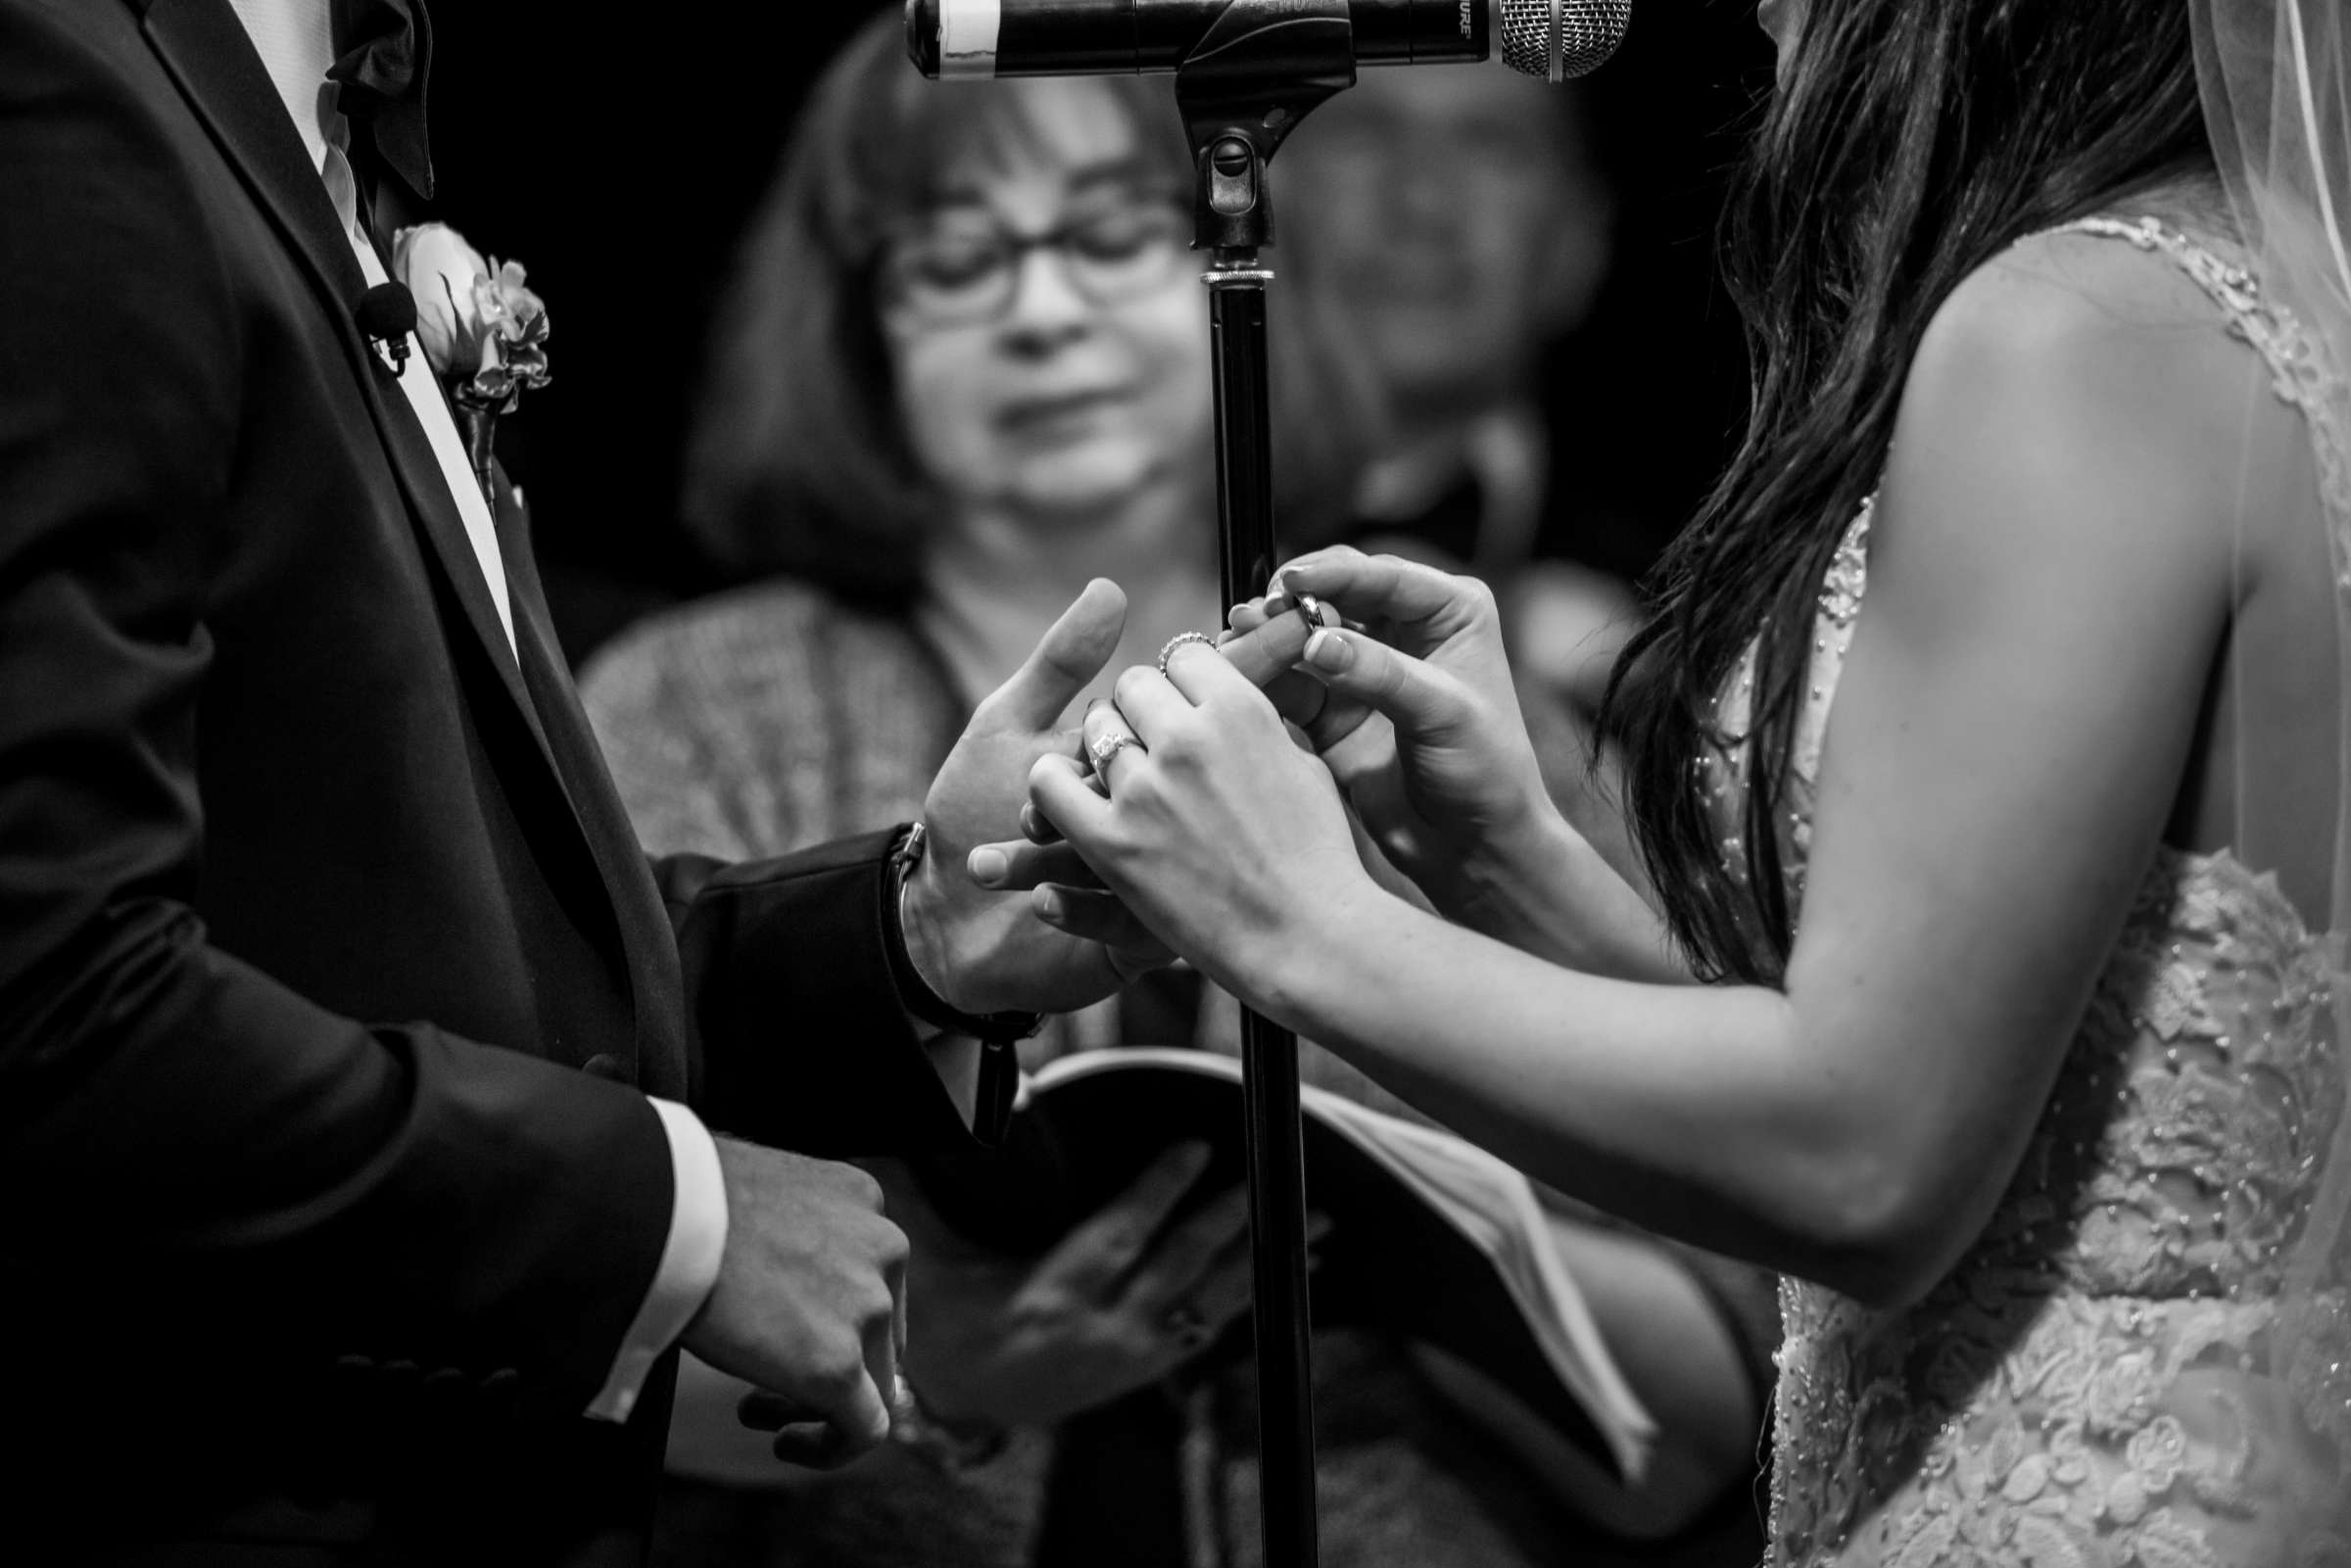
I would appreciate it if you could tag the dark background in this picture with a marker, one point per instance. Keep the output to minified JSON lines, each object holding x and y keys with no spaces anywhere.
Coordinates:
{"x":618,"y":159}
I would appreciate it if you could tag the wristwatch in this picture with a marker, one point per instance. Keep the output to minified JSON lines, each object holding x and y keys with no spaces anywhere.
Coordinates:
{"x":996,"y":1033}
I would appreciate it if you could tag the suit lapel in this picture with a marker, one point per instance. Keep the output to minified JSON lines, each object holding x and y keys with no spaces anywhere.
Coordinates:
{"x":642,"y":921}
{"x":204,"y":47}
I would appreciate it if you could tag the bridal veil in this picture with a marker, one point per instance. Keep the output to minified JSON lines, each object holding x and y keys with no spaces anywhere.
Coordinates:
{"x":2276,"y":79}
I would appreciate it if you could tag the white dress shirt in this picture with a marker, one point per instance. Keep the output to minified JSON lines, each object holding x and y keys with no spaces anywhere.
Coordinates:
{"x":296,"y":42}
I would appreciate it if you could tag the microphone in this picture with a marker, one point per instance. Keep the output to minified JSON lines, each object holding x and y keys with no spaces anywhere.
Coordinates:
{"x":1559,"y":40}
{"x":1554,"y":39}
{"x":387,"y":314}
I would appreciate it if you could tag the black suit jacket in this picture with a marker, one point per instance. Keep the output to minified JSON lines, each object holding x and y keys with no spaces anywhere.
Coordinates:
{"x":315,"y":904}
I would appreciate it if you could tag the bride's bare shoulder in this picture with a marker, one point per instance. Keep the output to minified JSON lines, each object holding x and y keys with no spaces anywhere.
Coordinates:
{"x":2072,"y":300}
{"x":2095,"y":304}
{"x":2073,"y":347}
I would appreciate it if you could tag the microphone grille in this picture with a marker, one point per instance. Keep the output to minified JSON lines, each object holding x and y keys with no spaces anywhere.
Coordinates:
{"x":387,"y":311}
{"x":1557,"y":39}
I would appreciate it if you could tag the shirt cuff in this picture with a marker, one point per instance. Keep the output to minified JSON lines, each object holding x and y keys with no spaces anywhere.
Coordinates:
{"x":697,"y":1239}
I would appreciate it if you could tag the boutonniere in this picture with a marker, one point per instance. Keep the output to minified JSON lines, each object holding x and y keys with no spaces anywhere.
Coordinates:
{"x":484,"y":331}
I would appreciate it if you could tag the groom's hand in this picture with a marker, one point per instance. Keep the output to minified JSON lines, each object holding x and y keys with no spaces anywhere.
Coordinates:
{"x":986,"y":951}
{"x":811,"y":1302}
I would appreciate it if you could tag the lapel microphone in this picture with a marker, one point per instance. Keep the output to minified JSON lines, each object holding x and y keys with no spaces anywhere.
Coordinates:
{"x":387,"y":314}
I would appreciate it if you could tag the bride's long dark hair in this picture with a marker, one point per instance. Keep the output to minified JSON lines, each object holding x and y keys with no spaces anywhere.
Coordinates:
{"x":1906,"y":145}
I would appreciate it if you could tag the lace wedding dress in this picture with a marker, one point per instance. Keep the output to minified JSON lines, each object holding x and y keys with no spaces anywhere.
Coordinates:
{"x":2093,"y":1386}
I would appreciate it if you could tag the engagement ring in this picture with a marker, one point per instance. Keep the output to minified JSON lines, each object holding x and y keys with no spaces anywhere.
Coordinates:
{"x":1107,"y":747}
{"x":1179,"y":640}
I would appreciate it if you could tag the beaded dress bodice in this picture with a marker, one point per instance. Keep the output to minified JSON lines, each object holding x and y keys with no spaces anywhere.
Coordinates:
{"x":2092,"y":1385}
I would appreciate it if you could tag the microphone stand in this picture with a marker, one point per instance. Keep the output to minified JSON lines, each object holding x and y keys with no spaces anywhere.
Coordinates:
{"x":1241,"y":90}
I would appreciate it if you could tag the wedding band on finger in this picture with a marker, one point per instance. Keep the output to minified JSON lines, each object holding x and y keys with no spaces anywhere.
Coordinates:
{"x":902,"y":1406}
{"x":1168,"y":649}
{"x":1309,"y":611}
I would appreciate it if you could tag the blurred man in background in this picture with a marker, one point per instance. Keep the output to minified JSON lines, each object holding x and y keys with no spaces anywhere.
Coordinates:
{"x":1459,"y":215}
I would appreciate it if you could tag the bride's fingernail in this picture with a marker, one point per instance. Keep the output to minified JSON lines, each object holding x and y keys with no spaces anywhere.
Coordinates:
{"x":989,"y":867}
{"x":1051,"y":907}
{"x":1328,"y":650}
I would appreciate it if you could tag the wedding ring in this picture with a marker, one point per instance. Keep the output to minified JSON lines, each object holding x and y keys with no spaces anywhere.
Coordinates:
{"x":902,"y":1405}
{"x":1167,"y":651}
{"x":1309,"y":611}
{"x":1108,"y":745}
{"x":1186,"y":1326}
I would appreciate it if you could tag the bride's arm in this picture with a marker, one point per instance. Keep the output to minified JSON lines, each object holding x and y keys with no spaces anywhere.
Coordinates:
{"x":2047,"y":593}
{"x":1550,"y":893}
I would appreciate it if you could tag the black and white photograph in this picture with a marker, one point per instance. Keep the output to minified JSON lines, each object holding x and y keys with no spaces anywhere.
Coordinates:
{"x":1175,"y":784}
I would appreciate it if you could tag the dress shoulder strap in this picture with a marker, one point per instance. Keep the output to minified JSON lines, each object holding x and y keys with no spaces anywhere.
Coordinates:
{"x":2300,"y":370}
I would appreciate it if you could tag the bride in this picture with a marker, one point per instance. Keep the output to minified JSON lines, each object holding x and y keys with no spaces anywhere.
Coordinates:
{"x":1987,"y":765}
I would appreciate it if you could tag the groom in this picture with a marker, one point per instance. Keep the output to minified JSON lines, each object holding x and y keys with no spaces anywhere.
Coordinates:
{"x":347,"y":1041}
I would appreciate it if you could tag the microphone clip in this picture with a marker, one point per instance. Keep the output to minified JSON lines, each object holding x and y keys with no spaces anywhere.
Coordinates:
{"x":1248,"y":81}
{"x":387,"y":316}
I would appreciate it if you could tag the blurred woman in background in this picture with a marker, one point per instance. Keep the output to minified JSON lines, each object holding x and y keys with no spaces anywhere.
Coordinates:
{"x":963,"y":370}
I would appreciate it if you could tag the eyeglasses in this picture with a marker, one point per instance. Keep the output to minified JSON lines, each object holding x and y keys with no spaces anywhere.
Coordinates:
{"x":955,"y":275}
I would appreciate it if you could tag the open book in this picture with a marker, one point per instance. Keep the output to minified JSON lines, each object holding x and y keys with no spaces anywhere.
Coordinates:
{"x":1432,"y":1238}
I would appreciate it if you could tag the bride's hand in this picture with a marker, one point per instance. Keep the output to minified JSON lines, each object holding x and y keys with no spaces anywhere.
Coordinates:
{"x":1415,"y":715}
{"x":1227,"y":840}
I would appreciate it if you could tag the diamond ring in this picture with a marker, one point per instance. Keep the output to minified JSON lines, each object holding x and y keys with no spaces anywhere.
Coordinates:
{"x":1108,"y":745}
{"x":1167,"y":651}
